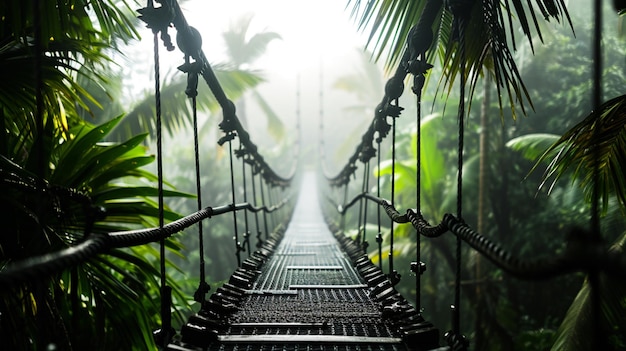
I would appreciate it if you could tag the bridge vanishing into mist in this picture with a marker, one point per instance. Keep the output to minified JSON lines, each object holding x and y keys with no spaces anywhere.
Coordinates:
{"x":308,"y":285}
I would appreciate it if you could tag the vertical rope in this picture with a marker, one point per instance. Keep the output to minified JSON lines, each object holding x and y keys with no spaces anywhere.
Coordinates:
{"x":594,"y":277}
{"x":417,"y":89}
{"x":232,"y":188}
{"x":343,"y":214}
{"x":261,"y":183}
{"x":204,"y":287}
{"x":393,"y":188}
{"x":367,"y":186}
{"x":246,"y":234}
{"x":270,"y":199}
{"x":358,"y":235}
{"x":379,"y":236}
{"x":259,"y":240}
{"x":456,"y":322}
{"x":166,"y":318}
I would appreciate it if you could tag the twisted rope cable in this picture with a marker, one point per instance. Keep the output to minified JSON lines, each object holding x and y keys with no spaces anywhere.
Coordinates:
{"x":367,"y":185}
{"x":259,"y":239}
{"x":379,"y":235}
{"x":245,"y":199}
{"x":393,"y":188}
{"x":423,"y":227}
{"x":166,"y":324}
{"x":203,"y":287}
{"x":232,"y":193}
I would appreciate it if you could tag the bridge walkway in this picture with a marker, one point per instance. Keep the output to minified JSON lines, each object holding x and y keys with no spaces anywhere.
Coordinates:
{"x":307,"y":289}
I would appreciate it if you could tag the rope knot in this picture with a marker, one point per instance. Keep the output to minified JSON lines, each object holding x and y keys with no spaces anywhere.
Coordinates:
{"x":394,"y":88}
{"x":158,"y":19}
{"x":189,"y":42}
{"x":192,"y":69}
{"x":229,"y":121}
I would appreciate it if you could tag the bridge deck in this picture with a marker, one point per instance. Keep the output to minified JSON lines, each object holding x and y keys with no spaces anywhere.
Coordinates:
{"x":307,"y":290}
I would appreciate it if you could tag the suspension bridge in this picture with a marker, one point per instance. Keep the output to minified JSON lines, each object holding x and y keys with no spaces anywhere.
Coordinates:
{"x":307,"y":285}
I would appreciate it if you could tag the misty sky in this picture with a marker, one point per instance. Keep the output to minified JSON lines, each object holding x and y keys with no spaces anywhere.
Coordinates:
{"x":316,"y":36}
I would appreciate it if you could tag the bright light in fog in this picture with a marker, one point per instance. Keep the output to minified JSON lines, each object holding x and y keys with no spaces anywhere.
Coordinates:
{"x":311,"y":31}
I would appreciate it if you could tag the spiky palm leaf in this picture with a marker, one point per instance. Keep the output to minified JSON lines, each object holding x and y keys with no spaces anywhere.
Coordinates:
{"x":48,"y":222}
{"x":176,"y":106}
{"x":599,"y":140}
{"x":487,"y":36}
{"x":241,"y":49}
{"x":576,"y":330}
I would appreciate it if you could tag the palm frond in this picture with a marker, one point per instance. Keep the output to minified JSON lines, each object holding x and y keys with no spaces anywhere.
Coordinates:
{"x":176,"y":107}
{"x":599,"y":140}
{"x":487,"y":36}
{"x":576,"y":330}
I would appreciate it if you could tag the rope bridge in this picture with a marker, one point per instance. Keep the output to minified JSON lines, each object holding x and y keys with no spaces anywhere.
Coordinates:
{"x":306,"y":285}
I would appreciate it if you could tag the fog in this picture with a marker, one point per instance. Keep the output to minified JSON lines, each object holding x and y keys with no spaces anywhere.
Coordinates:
{"x":319,"y":43}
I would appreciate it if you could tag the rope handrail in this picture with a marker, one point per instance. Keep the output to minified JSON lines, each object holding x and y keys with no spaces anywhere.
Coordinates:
{"x":95,"y":244}
{"x":579,"y":255}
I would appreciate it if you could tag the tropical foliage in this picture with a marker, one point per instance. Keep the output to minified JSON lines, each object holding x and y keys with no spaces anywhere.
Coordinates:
{"x":62,"y":180}
{"x":508,"y":315}
{"x":488,"y":34}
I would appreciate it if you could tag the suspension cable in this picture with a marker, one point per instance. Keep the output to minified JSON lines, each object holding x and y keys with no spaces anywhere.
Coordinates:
{"x":232,"y":188}
{"x":246,"y":234}
{"x":264,"y":204}
{"x":418,"y":267}
{"x":392,"y":272}
{"x":379,"y":236}
{"x":364,"y":243}
{"x":596,"y":236}
{"x":270,"y":200}
{"x":360,"y":220}
{"x":166,"y":318}
{"x":192,"y":92}
{"x":460,"y":13}
{"x":343,"y":214}
{"x":259,"y":240}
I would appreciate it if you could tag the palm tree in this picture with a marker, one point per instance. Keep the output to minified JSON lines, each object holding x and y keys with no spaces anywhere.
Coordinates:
{"x":56,"y":170}
{"x":242,"y":51}
{"x":488,"y":33}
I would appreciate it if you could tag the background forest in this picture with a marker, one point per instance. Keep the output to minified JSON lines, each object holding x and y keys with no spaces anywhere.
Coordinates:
{"x":91,"y":135}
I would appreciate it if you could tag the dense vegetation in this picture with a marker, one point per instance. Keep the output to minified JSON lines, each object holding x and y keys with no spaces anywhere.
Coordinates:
{"x":81,"y":146}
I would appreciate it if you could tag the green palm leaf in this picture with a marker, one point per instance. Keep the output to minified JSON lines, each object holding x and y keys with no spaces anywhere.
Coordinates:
{"x":176,"y":106}
{"x":576,"y":330}
{"x":600,"y":139}
{"x":487,"y":37}
{"x":241,"y":49}
{"x":532,"y":146}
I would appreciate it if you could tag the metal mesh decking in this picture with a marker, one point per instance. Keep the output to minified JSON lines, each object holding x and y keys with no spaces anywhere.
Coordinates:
{"x":307,"y":290}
